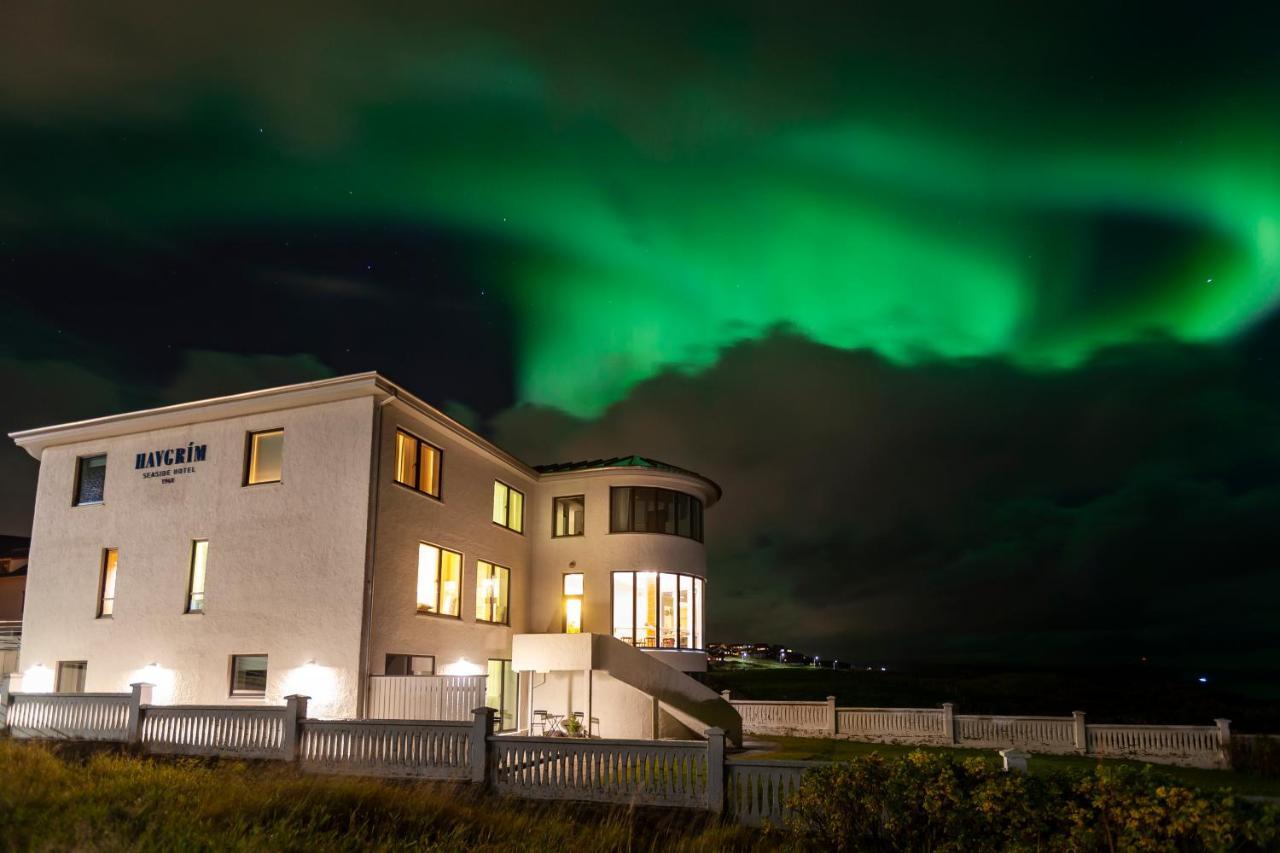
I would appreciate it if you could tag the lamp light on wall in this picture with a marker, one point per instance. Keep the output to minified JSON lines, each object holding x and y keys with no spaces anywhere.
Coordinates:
{"x":38,"y":679}
{"x":462,"y":666}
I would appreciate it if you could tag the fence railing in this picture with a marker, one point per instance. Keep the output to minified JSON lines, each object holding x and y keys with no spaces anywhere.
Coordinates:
{"x":634,"y":772}
{"x":433,"y":750}
{"x":256,"y":732}
{"x":425,"y":697}
{"x":69,"y":716}
{"x":756,"y":791}
{"x":1192,"y":746}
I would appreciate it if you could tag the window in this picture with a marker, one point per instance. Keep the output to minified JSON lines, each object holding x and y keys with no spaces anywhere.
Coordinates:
{"x":91,"y":479}
{"x":410,"y":664}
{"x":71,"y":675}
{"x":568,"y":514}
{"x":493,"y":585}
{"x":248,"y":675}
{"x":107,"y":598}
{"x":195,"y":586}
{"x":266,"y":457}
{"x":642,"y":509}
{"x":417,"y":464}
{"x":658,"y":610}
{"x":439,"y":580}
{"x":508,"y":506}
{"x":573,"y":603}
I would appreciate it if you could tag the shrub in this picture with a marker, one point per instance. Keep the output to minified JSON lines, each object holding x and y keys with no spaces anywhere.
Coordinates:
{"x":937,"y":802}
{"x":1257,"y":754}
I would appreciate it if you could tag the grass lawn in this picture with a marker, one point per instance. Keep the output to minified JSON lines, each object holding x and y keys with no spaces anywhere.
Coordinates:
{"x":828,"y":749}
{"x":72,"y":796}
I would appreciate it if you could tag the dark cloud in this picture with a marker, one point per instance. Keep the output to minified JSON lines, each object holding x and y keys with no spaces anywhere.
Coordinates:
{"x":972,"y":510}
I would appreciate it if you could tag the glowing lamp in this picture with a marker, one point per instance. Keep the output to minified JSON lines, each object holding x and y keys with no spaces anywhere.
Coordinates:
{"x":462,"y":666}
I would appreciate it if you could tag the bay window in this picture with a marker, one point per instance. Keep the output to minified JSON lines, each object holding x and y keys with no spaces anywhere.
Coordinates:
{"x":658,"y":610}
{"x":643,"y":509}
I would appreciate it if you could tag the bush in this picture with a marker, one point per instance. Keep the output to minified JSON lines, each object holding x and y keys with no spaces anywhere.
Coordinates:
{"x":935,"y":802}
{"x":1256,"y":754}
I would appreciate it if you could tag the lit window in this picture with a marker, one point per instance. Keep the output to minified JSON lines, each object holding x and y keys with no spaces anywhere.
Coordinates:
{"x":573,"y":603}
{"x":70,"y":678}
{"x":248,"y":675}
{"x":417,"y":464}
{"x":492,"y":589}
{"x":266,"y":457}
{"x":439,"y":580}
{"x":398,"y":664}
{"x":642,"y":509}
{"x":195,"y":590}
{"x":568,"y":514}
{"x":508,"y":506}
{"x":658,"y":610}
{"x":107,"y":601}
{"x":91,"y":479}
{"x":500,"y":694}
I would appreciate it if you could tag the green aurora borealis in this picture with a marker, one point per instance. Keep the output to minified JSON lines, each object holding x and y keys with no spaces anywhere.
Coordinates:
{"x":917,"y":187}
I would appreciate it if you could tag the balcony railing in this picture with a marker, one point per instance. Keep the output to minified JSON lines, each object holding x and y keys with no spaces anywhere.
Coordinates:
{"x":10,"y":634}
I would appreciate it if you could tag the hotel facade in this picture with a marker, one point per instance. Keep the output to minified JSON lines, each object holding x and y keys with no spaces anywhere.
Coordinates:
{"x":344,"y":540}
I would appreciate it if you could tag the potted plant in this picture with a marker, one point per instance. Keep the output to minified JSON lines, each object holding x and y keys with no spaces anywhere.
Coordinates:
{"x":573,"y":727}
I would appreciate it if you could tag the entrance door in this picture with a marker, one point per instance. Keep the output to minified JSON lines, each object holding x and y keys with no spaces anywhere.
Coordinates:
{"x":500,"y":694}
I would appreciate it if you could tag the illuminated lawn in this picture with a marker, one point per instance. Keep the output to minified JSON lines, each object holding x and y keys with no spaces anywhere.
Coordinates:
{"x":827,"y":749}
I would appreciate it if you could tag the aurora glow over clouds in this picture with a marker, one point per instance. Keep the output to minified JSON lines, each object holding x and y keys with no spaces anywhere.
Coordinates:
{"x":962,"y":303}
{"x":648,"y":189}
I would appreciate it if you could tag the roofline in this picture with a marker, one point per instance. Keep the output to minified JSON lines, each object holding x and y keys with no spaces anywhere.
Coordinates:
{"x":637,"y":470}
{"x":308,"y":393}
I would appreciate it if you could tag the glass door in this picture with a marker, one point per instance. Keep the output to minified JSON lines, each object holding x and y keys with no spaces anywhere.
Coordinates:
{"x":500,"y":694}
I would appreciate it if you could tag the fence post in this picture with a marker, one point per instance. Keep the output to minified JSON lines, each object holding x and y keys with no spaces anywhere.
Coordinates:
{"x":831,"y":716}
{"x":140,"y":696}
{"x":715,"y":770}
{"x":481,"y":729}
{"x":1224,"y":741}
{"x":1079,"y":733}
{"x":295,"y":711}
{"x":949,"y":722}
{"x":724,"y":694}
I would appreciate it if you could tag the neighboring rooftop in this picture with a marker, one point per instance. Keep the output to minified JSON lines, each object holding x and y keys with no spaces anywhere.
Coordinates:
{"x":13,"y":555}
{"x":633,"y":461}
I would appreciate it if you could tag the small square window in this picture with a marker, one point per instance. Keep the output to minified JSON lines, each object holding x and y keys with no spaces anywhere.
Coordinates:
{"x":91,"y":479}
{"x":417,"y":464}
{"x":568,"y":514}
{"x":71,"y":675}
{"x":266,"y":457}
{"x":401,"y":664}
{"x":248,"y":675}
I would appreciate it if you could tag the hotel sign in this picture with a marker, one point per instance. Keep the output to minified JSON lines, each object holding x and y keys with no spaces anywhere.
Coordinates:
{"x":167,"y":464}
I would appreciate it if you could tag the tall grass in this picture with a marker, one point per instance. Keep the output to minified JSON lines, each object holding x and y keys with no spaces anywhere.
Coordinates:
{"x":68,"y":797}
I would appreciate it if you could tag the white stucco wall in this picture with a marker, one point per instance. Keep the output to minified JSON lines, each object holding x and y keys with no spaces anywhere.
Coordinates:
{"x":285,"y":567}
{"x":598,"y":553}
{"x":460,"y":520}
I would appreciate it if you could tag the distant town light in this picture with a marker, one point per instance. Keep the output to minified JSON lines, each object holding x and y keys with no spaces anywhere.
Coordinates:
{"x":1204,"y":679}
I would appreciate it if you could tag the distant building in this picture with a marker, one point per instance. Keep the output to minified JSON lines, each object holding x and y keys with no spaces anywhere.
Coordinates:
{"x":13,"y":588}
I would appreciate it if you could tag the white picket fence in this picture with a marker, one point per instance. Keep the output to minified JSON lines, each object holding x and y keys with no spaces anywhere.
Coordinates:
{"x":1191,"y":746}
{"x":411,"y":750}
{"x":425,"y":697}
{"x":69,"y":716}
{"x":635,"y":772}
{"x":756,"y":791}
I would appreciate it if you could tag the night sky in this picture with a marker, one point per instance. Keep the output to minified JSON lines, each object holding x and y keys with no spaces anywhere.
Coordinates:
{"x":969,"y":308}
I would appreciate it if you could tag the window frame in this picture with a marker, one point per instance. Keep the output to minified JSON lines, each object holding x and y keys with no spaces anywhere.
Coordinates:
{"x":697,"y":619}
{"x":695,"y":516}
{"x":555,"y":506}
{"x":232,"y":693}
{"x":191,"y":578}
{"x":523,"y":497}
{"x":507,"y":607}
{"x":564,"y":601}
{"x":417,"y":464}
{"x":57,"y":676}
{"x":386,"y":661}
{"x":102,"y":584}
{"x":80,"y":462}
{"x":249,"y":457}
{"x":462,"y":582}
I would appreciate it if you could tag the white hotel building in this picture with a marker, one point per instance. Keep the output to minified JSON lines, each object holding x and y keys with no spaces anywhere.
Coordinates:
{"x":344,"y":540}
